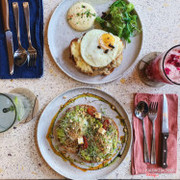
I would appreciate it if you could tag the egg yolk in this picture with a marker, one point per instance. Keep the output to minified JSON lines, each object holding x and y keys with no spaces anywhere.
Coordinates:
{"x":106,"y":41}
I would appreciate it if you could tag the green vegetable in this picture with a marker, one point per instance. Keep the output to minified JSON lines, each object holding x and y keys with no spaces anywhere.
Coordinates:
{"x":82,"y":109}
{"x":88,"y":13}
{"x":77,"y":108}
{"x":120,"y":20}
{"x":98,"y":124}
{"x":61,"y":135}
{"x":115,"y":141}
{"x":85,"y":155}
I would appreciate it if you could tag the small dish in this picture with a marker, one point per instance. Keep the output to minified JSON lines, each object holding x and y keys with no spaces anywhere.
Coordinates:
{"x":64,"y":167}
{"x":60,"y":35}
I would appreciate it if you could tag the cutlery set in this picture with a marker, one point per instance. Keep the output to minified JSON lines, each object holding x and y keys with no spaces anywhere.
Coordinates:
{"x":141,"y":111}
{"x":20,"y":56}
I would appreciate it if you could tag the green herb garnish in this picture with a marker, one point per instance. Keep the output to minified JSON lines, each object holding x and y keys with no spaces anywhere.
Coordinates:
{"x":120,"y":20}
{"x":89,"y":14}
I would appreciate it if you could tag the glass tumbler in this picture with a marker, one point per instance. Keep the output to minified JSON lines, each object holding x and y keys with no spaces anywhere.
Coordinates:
{"x":162,"y":69}
{"x":14,"y":108}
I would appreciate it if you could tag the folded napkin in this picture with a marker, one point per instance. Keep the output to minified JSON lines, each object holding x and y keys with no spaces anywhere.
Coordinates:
{"x":36,"y":21}
{"x":138,"y":165}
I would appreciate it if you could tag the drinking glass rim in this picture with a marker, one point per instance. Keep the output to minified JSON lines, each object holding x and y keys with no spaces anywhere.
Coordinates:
{"x":164,"y":63}
{"x":15,"y":111}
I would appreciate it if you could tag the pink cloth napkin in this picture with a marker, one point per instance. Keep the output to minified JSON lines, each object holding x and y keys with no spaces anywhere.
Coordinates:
{"x":138,"y":165}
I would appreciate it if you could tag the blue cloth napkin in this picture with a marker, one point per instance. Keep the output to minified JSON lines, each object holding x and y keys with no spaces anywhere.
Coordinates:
{"x":36,"y":22}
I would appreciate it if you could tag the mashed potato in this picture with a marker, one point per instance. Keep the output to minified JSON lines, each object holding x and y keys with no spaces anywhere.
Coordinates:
{"x":81,"y":16}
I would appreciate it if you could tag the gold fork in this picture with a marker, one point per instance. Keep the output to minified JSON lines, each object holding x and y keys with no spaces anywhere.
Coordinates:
{"x":31,"y":50}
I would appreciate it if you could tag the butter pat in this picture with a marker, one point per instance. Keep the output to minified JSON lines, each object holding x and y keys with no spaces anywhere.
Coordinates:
{"x":80,"y":140}
{"x":98,"y":115}
{"x":102,"y":131}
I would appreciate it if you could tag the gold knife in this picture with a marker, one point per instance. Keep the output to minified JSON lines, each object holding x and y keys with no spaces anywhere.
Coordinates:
{"x":8,"y":34}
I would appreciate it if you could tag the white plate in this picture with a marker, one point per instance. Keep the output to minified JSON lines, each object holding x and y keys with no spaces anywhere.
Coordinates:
{"x":60,"y":35}
{"x":57,"y":163}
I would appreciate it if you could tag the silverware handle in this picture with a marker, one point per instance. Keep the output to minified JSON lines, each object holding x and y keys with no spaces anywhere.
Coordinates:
{"x":27,"y":19}
{"x":146,"y":153}
{"x":153,"y":147}
{"x":5,"y":14}
{"x":164,"y":149}
{"x":16,"y":16}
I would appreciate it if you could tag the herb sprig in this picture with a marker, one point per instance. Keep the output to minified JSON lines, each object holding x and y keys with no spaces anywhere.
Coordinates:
{"x":87,"y":13}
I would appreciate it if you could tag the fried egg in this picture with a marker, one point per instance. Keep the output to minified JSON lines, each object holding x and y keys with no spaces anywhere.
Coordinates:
{"x":99,"y":48}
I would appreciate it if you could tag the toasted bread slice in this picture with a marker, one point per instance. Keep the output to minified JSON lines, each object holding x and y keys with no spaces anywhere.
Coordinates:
{"x":80,"y":121}
{"x":86,"y":68}
{"x":71,"y":141}
{"x":101,"y":149}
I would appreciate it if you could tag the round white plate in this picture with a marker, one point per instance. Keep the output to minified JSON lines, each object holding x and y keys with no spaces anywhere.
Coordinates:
{"x":56,"y":162}
{"x":60,"y":34}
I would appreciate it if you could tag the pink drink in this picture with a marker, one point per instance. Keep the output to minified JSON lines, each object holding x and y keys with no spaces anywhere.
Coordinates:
{"x":165,"y":67}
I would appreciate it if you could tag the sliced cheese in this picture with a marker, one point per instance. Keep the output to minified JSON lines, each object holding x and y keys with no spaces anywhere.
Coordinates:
{"x":98,"y":115}
{"x":102,"y":131}
{"x":80,"y":140}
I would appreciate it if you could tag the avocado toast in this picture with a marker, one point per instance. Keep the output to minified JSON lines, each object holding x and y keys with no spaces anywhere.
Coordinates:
{"x":86,"y":133}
